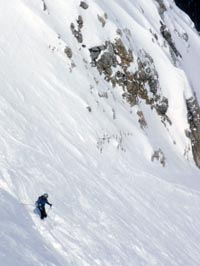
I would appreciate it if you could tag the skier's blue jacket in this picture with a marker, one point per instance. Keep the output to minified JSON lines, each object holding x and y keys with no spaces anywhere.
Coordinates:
{"x":42,"y":201}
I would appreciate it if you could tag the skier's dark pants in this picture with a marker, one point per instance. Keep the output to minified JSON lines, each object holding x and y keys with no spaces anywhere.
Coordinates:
{"x":43,"y":213}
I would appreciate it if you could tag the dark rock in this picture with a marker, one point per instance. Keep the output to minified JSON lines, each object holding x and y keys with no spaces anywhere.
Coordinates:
{"x":80,"y":22}
{"x":77,"y":32}
{"x":89,"y":109}
{"x":159,"y":156}
{"x":72,"y":27}
{"x":108,"y":59}
{"x":142,"y":121}
{"x":153,"y":84}
{"x":185,"y":37}
{"x":101,"y":20}
{"x":119,"y":32}
{"x":162,"y":7}
{"x":194,"y":123}
{"x":136,"y":85}
{"x":121,"y":51}
{"x":147,"y":73}
{"x":84,"y":5}
{"x":44,"y":5}
{"x":142,"y":75}
{"x":167,"y":36}
{"x":131,"y":98}
{"x":95,"y":52}
{"x":68,"y":52}
{"x":105,"y":63}
{"x":78,"y":35}
{"x":162,"y":106}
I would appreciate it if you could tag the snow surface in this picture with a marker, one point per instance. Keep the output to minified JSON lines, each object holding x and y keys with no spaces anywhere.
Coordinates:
{"x":111,"y":204}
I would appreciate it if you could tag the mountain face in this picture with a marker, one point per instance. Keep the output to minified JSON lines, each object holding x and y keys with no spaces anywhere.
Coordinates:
{"x":99,"y":109}
{"x":192,"y":8}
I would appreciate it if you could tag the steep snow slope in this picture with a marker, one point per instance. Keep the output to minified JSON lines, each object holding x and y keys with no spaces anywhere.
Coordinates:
{"x":60,"y":134}
{"x":190,"y":49}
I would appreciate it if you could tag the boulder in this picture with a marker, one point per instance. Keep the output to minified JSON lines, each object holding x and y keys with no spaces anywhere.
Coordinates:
{"x":84,"y":5}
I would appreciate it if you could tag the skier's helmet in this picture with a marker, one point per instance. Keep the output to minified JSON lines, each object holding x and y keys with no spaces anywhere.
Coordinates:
{"x":46,"y":195}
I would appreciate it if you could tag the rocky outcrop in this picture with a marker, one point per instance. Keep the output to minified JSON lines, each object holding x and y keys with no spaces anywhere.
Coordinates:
{"x":84,"y":5}
{"x":142,"y":121}
{"x":136,"y":74}
{"x":162,"y":106}
{"x":77,"y":32}
{"x":44,"y":5}
{"x":147,"y":72}
{"x":113,"y":60}
{"x":194,"y":122}
{"x":168,"y":37}
{"x":159,"y":156}
{"x":95,"y":52}
{"x":102,"y":19}
{"x":162,"y":7}
{"x":68,"y":52}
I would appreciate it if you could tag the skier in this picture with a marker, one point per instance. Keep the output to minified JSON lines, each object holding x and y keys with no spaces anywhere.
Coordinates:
{"x":40,"y":204}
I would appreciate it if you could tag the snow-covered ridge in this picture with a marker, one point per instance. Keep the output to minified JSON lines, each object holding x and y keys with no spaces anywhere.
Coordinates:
{"x":98,"y":109}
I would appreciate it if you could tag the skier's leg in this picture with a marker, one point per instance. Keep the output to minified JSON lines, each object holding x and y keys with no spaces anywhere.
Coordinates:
{"x":45,"y":214}
{"x":42,"y":213}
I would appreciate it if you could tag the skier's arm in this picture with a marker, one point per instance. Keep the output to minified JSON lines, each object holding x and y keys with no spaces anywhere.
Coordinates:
{"x":48,"y":203}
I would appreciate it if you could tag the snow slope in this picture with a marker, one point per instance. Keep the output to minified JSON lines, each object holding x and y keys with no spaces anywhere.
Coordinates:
{"x":111,"y":204}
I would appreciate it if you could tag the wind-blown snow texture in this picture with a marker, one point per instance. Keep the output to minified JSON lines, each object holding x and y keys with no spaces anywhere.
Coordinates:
{"x":111,"y":204}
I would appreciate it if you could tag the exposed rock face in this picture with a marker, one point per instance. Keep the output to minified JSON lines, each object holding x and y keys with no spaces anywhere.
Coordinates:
{"x":102,"y":20}
{"x":44,"y":5}
{"x":194,"y":122}
{"x":68,"y":52}
{"x":141,"y":84}
{"x":142,"y":121}
{"x":166,"y":33}
{"x":77,"y":32}
{"x":84,"y":5}
{"x":80,"y":22}
{"x":162,"y":106}
{"x":105,"y":63}
{"x":95,"y":52}
{"x":147,"y":72}
{"x":167,"y":36}
{"x":159,"y":156}
{"x":162,"y":7}
{"x":136,"y":74}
